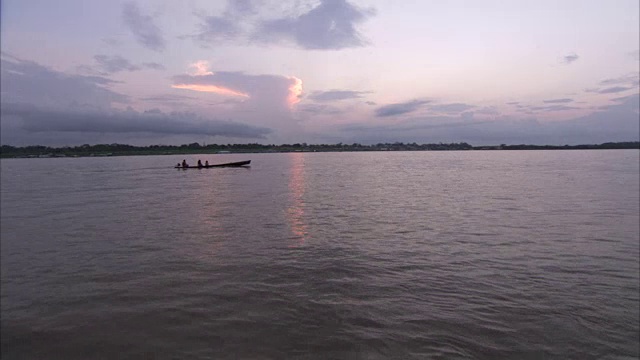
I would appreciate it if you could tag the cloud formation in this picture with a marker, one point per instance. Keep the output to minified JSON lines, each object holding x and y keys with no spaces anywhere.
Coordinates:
{"x":556,"y":107}
{"x":40,"y":100}
{"x":112,"y":64}
{"x":36,"y":119}
{"x":616,"y":122}
{"x":400,"y":108}
{"x":332,"y":25}
{"x":450,"y":108}
{"x":335,"y":95}
{"x":272,"y":90}
{"x":558,"y":101}
{"x":28,"y":82}
{"x":143,"y":27}
{"x":632,"y":79}
{"x":320,"y":109}
{"x":610,"y":90}
{"x":569,"y":59}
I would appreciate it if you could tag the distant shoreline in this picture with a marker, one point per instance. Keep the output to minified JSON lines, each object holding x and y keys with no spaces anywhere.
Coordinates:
{"x":7,"y":151}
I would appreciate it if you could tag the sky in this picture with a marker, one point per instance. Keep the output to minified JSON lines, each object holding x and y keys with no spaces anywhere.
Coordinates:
{"x":324,"y":71}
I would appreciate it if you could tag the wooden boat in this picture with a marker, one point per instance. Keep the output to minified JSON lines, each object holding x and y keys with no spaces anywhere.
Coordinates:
{"x":231,"y":164}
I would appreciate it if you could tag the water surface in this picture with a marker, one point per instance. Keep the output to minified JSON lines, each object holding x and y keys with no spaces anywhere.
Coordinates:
{"x":476,"y":254}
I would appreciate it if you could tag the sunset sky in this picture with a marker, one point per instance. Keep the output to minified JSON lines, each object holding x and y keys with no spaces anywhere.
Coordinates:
{"x":329,"y":71}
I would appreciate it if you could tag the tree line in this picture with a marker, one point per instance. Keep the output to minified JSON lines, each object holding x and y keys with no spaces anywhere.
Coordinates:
{"x":123,"y":149}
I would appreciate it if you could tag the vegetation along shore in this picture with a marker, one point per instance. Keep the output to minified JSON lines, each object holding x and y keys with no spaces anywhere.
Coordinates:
{"x":7,"y":151}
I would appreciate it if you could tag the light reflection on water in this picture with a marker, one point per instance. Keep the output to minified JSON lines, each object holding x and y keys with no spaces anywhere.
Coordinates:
{"x":295,"y":211}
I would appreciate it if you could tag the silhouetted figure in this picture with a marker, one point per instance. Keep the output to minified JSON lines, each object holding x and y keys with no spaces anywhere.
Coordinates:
{"x":206,"y":163}
{"x":199,"y":163}
{"x":184,"y":163}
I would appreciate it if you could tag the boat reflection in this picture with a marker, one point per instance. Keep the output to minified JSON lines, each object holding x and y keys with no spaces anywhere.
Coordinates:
{"x":295,"y":211}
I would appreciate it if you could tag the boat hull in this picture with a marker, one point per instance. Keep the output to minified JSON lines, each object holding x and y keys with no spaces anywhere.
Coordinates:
{"x":231,"y":164}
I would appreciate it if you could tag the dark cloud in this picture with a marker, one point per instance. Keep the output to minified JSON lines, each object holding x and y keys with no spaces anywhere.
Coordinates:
{"x":371,"y":103}
{"x":28,"y":82}
{"x":215,"y":28}
{"x":487,"y":110}
{"x":400,"y":108}
{"x":558,"y":101}
{"x":153,"y":66}
{"x":617,"y":122}
{"x":227,"y":26}
{"x":330,"y":26}
{"x":320,"y":109}
{"x":610,"y":90}
{"x":241,"y":7}
{"x":450,"y":108}
{"x":628,"y":98}
{"x":143,"y":27}
{"x":112,"y":64}
{"x":553,"y":108}
{"x":335,"y":95}
{"x":35,"y":119}
{"x":569,"y":59}
{"x":632,"y":79}
{"x":513,"y":103}
{"x":167,"y":98}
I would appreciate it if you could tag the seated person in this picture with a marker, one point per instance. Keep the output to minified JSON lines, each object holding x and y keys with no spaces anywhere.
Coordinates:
{"x":184,"y":163}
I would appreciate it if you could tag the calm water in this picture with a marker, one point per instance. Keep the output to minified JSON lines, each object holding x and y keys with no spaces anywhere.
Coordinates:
{"x":485,"y":255}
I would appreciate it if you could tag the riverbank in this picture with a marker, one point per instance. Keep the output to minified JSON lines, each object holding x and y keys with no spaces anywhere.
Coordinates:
{"x":7,"y":151}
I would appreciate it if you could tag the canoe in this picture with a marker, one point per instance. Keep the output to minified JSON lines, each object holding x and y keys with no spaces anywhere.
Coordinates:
{"x":231,"y":164}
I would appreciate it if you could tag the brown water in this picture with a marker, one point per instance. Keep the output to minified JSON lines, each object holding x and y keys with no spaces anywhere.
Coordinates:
{"x":485,"y":255}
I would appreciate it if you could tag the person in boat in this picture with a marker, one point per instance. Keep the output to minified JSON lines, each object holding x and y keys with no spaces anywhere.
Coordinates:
{"x":199,"y":163}
{"x":184,"y":163}
{"x":206,"y":163}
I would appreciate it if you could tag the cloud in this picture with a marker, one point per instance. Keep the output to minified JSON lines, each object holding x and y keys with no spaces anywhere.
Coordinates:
{"x":558,"y":101}
{"x":632,"y":79}
{"x":635,"y":55}
{"x":628,"y":98}
{"x":553,"y":108}
{"x":569,"y":59}
{"x":112,"y":64}
{"x":143,"y":27}
{"x":28,"y":82}
{"x":41,"y":105}
{"x":167,"y":98}
{"x":227,"y":26}
{"x":400,"y":108}
{"x":487,"y":110}
{"x":335,"y":95}
{"x":513,"y":103}
{"x":331,"y":25}
{"x":218,"y":28}
{"x":268,"y":90}
{"x":37,"y":119}
{"x":112,"y":41}
{"x":610,"y":90}
{"x":616,"y":122}
{"x":153,"y":66}
{"x":320,"y":109}
{"x":450,"y":108}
